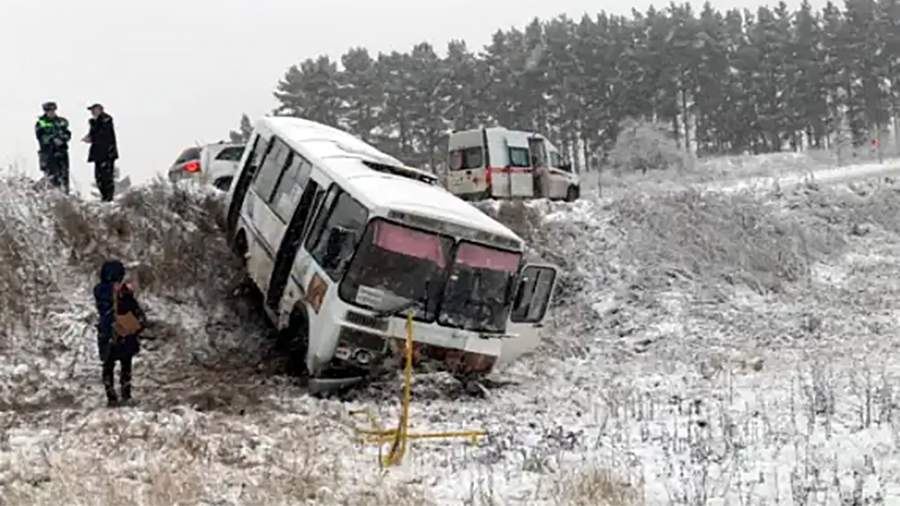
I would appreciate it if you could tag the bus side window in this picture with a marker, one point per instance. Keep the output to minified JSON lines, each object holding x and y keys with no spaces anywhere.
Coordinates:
{"x":324,"y":211}
{"x":261,"y":146}
{"x":271,"y":170}
{"x":290,"y":186}
{"x":337,"y":231}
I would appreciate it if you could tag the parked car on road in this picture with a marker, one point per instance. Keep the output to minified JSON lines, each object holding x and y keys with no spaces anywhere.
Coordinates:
{"x":213,"y":164}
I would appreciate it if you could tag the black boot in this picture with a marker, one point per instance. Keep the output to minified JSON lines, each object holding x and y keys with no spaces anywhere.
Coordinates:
{"x":112,"y":400}
{"x":125,"y":380}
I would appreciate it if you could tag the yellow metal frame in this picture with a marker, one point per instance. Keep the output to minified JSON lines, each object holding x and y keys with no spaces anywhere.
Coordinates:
{"x":399,"y":437}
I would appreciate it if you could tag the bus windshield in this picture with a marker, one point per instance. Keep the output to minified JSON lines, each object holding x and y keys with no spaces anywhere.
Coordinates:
{"x":477,"y":293}
{"x":398,"y":261}
{"x":471,"y":291}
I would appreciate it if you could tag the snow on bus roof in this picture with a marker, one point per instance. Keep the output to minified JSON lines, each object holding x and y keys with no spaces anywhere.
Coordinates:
{"x":408,"y":195}
{"x":323,"y":142}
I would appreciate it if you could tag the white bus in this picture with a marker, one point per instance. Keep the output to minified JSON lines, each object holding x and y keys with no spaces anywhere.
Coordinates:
{"x":342,"y":240}
{"x":499,"y":163}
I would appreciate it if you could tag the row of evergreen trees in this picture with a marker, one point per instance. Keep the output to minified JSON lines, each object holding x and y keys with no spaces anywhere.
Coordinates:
{"x":730,"y":82}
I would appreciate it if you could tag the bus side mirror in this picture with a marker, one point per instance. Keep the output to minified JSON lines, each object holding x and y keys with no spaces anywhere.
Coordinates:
{"x":533,"y":294}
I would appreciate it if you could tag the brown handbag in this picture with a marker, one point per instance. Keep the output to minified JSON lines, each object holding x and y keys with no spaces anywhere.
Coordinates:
{"x":126,"y":324}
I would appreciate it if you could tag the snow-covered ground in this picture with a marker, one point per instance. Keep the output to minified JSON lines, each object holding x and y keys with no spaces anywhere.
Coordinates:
{"x":734,"y":347}
{"x":890,"y":168}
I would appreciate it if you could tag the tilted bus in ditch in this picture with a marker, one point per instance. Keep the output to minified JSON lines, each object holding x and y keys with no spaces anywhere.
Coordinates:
{"x":343,"y":240}
{"x":500,"y":163}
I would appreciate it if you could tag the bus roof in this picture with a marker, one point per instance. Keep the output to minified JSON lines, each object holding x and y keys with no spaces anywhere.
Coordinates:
{"x":345,"y":157}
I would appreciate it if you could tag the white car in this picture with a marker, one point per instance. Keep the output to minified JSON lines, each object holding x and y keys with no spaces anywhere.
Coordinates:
{"x":214,"y":164}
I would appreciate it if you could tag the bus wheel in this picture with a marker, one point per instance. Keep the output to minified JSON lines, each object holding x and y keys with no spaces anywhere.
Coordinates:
{"x":572,"y":194}
{"x":240,"y":246}
{"x":297,"y":337}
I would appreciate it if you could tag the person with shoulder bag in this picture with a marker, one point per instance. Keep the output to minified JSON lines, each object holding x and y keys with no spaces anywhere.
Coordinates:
{"x":121,"y":321}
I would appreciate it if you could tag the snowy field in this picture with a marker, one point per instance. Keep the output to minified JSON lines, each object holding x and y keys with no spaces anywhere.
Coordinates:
{"x":735,"y":347}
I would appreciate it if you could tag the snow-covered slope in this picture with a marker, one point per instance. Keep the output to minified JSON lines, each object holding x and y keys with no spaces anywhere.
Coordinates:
{"x":735,"y":348}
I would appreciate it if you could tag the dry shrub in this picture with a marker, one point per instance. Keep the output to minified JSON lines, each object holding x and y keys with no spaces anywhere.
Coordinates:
{"x":188,"y":476}
{"x":642,"y":147}
{"x":598,"y":487}
{"x":26,"y":263}
{"x":739,"y":239}
{"x":170,"y":236}
{"x":864,"y":205}
{"x":544,"y":242}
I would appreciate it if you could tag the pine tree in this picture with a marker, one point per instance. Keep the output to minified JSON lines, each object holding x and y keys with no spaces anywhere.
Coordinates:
{"x":867,"y":63}
{"x":685,"y":43}
{"x":311,"y":91}
{"x":464,"y":88}
{"x":837,"y":78}
{"x":711,"y":90}
{"x":727,"y":82}
{"x":243,"y":133}
{"x":427,"y":104}
{"x":395,"y":130}
{"x":361,"y":94}
{"x":809,"y":107}
{"x":888,"y":19}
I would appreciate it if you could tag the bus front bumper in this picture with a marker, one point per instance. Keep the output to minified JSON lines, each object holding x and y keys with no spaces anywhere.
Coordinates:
{"x":369,"y":351}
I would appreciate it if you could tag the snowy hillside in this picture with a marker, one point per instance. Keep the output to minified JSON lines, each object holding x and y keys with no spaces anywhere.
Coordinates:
{"x":705,"y":348}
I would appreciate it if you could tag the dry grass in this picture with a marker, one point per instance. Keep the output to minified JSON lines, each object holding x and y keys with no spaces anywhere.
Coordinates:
{"x":598,"y":487}
{"x":183,"y":483}
{"x":709,"y":238}
{"x":117,"y":459}
{"x":169,"y":235}
{"x":27,"y":277}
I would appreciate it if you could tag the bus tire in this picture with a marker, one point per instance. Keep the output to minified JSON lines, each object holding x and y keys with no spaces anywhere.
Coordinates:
{"x":572,"y":194}
{"x":297,"y":334}
{"x":240,"y":246}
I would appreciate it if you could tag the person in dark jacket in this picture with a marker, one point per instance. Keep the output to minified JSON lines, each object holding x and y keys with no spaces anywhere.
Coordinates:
{"x":53,"y":137}
{"x":104,"y":151}
{"x":114,"y":297}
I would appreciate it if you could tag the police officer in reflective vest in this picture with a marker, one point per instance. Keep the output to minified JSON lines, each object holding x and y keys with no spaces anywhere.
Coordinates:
{"x":53,"y":137}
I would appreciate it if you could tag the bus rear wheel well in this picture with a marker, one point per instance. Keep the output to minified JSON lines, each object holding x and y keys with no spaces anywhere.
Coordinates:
{"x":240,"y":244}
{"x":297,"y":334}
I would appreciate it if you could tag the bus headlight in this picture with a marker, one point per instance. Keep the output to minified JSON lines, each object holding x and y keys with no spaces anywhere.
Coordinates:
{"x":363,"y":357}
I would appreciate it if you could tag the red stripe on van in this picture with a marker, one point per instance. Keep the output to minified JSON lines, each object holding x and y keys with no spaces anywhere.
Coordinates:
{"x":509,"y":170}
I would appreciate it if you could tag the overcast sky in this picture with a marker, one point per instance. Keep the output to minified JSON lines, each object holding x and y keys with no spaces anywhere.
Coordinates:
{"x":173,"y":73}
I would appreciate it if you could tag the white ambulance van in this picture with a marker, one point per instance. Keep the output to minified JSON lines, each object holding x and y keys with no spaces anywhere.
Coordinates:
{"x":499,"y":163}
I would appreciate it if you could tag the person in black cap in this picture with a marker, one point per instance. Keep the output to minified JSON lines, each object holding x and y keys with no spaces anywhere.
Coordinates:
{"x":53,"y":137}
{"x":103,"y":152}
